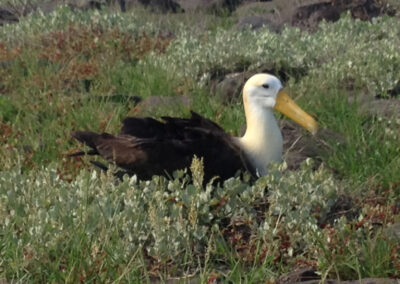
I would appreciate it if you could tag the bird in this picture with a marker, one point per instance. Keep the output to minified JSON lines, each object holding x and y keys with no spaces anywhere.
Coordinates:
{"x":146,"y":147}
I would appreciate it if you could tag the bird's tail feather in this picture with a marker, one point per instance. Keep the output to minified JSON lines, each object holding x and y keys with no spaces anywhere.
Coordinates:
{"x":99,"y":165}
{"x":83,"y":153}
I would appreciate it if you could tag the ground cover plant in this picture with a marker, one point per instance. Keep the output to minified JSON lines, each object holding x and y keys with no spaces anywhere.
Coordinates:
{"x":63,"y":220}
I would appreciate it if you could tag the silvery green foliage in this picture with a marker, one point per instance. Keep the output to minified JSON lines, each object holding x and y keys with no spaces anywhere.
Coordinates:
{"x":19,"y":3}
{"x":298,"y":200}
{"x":366,"y":54}
{"x":166,"y":218}
{"x":63,"y":16}
{"x":365,"y":51}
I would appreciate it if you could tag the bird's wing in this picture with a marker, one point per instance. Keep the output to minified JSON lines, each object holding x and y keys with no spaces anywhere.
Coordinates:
{"x":171,"y":127}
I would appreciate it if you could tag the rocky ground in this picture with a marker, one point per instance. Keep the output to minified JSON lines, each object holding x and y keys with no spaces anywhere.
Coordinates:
{"x":305,"y":14}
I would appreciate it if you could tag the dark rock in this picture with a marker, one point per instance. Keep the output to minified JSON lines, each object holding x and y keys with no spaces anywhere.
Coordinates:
{"x":308,"y":275}
{"x":358,"y":281}
{"x":386,"y":108}
{"x":385,"y":105}
{"x":307,"y":14}
{"x":88,"y":5}
{"x":81,"y":5}
{"x":122,"y":4}
{"x":393,"y":231}
{"x":302,"y":275}
{"x":7,"y":17}
{"x":230,"y":88}
{"x":343,"y":206}
{"x":225,"y":5}
{"x":27,"y":148}
{"x":370,"y":281}
{"x":162,"y":5}
{"x":395,"y":92}
{"x":213,"y":6}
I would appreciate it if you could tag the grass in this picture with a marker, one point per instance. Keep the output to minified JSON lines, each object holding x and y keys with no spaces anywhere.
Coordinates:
{"x":65,"y":222}
{"x":363,"y":156}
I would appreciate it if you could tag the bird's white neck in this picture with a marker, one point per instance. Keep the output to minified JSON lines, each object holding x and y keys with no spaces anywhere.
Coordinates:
{"x":262,"y":142}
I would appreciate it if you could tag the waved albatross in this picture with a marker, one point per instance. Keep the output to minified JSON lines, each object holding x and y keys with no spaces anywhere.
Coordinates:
{"x":148,"y":147}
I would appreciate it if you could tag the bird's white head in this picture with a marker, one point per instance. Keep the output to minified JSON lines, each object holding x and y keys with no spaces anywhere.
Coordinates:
{"x":264,"y":92}
{"x":261,"y":90}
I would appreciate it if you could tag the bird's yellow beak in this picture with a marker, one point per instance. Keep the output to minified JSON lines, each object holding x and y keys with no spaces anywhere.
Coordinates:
{"x":284,"y":104}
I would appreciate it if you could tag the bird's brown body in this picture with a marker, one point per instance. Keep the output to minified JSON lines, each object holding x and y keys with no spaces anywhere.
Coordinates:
{"x":148,"y":147}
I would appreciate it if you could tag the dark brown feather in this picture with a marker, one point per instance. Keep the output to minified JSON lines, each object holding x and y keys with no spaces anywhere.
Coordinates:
{"x":148,"y":147}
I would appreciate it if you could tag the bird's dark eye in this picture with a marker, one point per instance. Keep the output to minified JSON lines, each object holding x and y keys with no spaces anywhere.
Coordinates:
{"x":266,"y":86}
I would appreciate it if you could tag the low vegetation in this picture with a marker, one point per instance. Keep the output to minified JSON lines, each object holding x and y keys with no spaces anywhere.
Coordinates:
{"x":63,"y":220}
